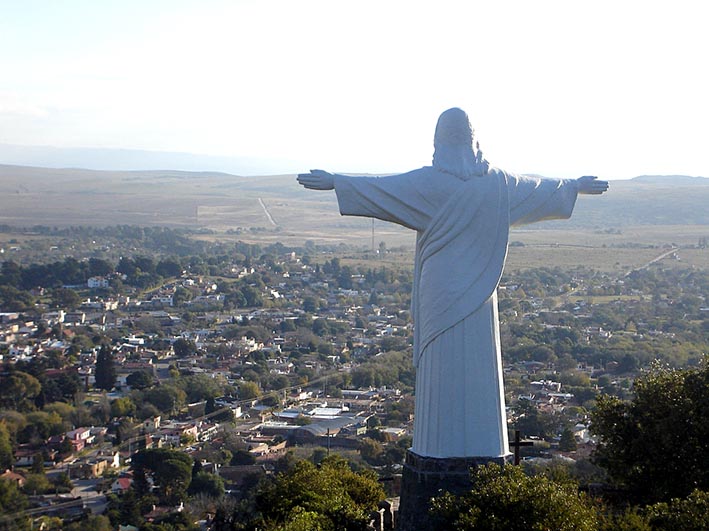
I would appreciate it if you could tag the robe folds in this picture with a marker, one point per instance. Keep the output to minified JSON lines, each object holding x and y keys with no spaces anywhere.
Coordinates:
{"x":462,"y":234}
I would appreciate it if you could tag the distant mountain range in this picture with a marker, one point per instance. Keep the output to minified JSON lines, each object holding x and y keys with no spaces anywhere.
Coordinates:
{"x":134,"y":159}
{"x":683,"y":180}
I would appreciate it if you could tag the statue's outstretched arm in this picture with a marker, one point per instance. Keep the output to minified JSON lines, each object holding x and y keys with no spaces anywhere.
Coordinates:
{"x":589,"y":184}
{"x":317,"y":180}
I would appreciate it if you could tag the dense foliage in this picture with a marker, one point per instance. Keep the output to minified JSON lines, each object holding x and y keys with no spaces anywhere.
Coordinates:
{"x":656,"y":444}
{"x":326,"y":497}
{"x":505,"y":499}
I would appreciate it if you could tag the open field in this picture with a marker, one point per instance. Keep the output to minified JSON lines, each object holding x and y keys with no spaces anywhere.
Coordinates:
{"x":622,"y":229}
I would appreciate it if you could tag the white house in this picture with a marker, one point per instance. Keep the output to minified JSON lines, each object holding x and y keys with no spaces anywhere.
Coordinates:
{"x":97,"y":282}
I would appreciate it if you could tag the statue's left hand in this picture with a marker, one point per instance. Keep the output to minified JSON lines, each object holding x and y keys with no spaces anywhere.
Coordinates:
{"x":589,"y":184}
{"x":317,"y":180}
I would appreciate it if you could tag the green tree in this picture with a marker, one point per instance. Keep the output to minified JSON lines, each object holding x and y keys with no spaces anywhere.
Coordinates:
{"x":184,"y":347}
{"x":688,"y":514}
{"x":40,"y":425}
{"x":170,"y":470}
{"x":201,"y":387}
{"x":567,"y":442}
{"x":327,"y":497}
{"x":248,"y":390}
{"x":139,"y":380}
{"x":371,"y":451}
{"x":92,"y":523}
{"x":105,"y":369}
{"x":530,"y":421}
{"x":166,"y":398}
{"x":505,"y":499}
{"x":99,"y":267}
{"x":37,"y":463}
{"x":128,"y":509}
{"x":7,"y":458}
{"x":65,"y":298}
{"x":655,"y":445}
{"x":169,"y":267}
{"x":37,"y":484}
{"x":206,"y":483}
{"x":11,"y":499}
{"x":122,"y":407}
{"x":18,"y":389}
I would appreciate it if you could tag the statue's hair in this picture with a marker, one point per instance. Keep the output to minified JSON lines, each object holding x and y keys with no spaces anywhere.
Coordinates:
{"x":456,"y":151}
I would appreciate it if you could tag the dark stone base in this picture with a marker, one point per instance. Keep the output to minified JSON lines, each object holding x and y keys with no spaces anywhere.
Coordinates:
{"x":426,"y":477}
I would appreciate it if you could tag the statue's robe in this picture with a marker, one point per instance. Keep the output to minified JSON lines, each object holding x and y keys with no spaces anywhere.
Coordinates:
{"x":462,"y":233}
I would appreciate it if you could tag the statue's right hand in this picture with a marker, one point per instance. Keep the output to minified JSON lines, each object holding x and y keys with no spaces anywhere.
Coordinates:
{"x":317,"y":180}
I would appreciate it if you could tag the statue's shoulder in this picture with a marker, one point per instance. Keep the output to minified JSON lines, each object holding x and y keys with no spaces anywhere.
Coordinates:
{"x":424,"y":171}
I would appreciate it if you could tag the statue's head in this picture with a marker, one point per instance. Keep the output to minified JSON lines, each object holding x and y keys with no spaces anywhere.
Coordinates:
{"x":456,"y":151}
{"x":453,"y":128}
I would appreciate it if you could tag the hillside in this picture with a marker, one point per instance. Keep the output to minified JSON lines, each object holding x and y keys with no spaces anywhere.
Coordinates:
{"x":278,"y":208}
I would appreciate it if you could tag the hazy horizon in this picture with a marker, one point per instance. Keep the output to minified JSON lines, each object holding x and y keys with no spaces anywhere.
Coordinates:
{"x":109,"y":159}
{"x":555,"y":88}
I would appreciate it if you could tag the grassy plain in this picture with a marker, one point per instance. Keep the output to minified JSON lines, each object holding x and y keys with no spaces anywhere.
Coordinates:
{"x":621,"y":230}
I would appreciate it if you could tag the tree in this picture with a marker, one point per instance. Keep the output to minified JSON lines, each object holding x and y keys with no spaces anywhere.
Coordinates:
{"x":270,"y":400}
{"x":65,"y":298}
{"x":170,"y":470}
{"x":39,"y":425}
{"x":184,"y":347}
{"x":122,"y":407}
{"x":17,"y":389}
{"x":206,"y":483}
{"x":655,"y":445}
{"x":139,"y":380}
{"x":505,"y":499}
{"x":567,"y":442}
{"x":169,"y":267}
{"x":329,"y":496}
{"x":248,"y":390}
{"x":11,"y":499}
{"x":371,"y":451}
{"x":37,"y":484}
{"x":166,"y":398}
{"x":92,"y":523}
{"x":531,"y":421}
{"x":688,"y":514}
{"x":99,"y":267}
{"x":7,"y":458}
{"x":201,"y":387}
{"x":105,"y":370}
{"x":65,"y":447}
{"x":37,"y":463}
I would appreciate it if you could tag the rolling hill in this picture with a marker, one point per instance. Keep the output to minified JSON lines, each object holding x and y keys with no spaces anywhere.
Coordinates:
{"x":280,"y":209}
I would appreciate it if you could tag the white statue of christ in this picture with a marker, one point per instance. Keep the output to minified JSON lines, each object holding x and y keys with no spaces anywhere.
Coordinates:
{"x":462,"y":210}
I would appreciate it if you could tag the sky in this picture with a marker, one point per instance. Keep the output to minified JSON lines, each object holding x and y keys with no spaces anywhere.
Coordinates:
{"x":558,"y":88}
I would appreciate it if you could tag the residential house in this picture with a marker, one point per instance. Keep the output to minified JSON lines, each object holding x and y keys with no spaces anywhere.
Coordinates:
{"x":9,"y":475}
{"x":121,"y":485}
{"x":80,"y":438}
{"x":97,"y":282}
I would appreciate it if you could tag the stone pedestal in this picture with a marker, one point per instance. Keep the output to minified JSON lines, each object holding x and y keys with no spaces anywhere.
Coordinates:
{"x":427,"y":477}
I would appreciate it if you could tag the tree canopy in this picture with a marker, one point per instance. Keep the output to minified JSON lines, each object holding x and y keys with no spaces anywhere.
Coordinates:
{"x":105,"y":369}
{"x":505,"y":499}
{"x":171,"y":471}
{"x":327,"y":497}
{"x":656,"y":444}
